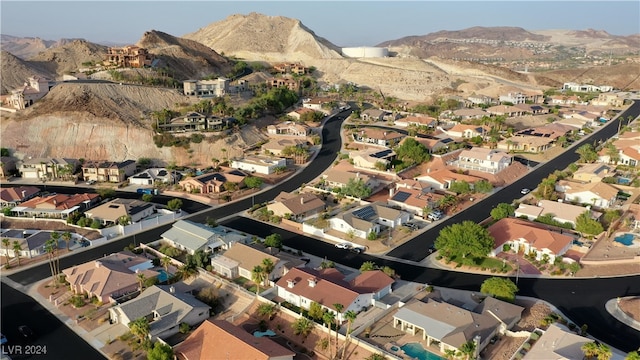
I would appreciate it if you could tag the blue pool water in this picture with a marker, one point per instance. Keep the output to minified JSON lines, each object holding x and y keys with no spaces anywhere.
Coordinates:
{"x":394,"y":348}
{"x":626,"y":239}
{"x":623,"y":181}
{"x":416,"y":351}
{"x":269,"y":332}
{"x":163,"y":276}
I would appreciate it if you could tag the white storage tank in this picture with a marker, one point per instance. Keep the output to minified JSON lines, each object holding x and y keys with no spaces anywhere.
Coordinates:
{"x":365,"y":52}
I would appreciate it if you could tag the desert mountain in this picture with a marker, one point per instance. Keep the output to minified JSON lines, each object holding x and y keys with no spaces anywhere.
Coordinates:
{"x":69,"y":57}
{"x":14,"y":71}
{"x":26,"y":47}
{"x":512,"y":43}
{"x":187,"y":58}
{"x":268,"y":38}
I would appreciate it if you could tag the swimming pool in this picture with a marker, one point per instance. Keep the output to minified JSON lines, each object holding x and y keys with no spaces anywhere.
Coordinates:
{"x":625,"y":239}
{"x":394,"y":348}
{"x":415,"y":350}
{"x":163,"y":276}
{"x":269,"y":332}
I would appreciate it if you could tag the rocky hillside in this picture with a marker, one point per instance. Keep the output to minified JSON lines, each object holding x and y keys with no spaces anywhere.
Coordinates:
{"x":187,"y":58}
{"x":69,"y":57}
{"x":27,"y":47}
{"x":109,"y":121}
{"x":268,"y":38}
{"x":14,"y":72}
{"x":621,"y":76}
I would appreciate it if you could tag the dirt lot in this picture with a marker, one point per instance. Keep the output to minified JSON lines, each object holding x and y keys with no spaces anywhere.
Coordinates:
{"x":631,"y":306}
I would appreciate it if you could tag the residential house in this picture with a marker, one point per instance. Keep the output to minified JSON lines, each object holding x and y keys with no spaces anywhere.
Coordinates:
{"x":417,"y":202}
{"x":593,"y":172}
{"x":481,"y":100}
{"x":12,"y":196}
{"x":564,"y":100}
{"x":371,"y":159}
{"x":467,"y":131}
{"x":373,"y":115}
{"x":529,"y":238}
{"x":557,"y":342}
{"x":130,"y":56}
{"x":289,"y":128}
{"x":191,"y":237}
{"x":506,"y":110}
{"x":526,"y":143}
{"x":109,"y":171}
{"x":484,"y":160}
{"x":368,"y":219}
{"x":212,"y":335}
{"x":213,"y":182}
{"x":586,"y":87}
{"x":588,"y":118}
{"x":450,"y":326}
{"x":57,"y":206}
{"x":532,"y":109}
{"x":597,"y":194}
{"x":195,"y":121}
{"x":216,"y":87}
{"x":628,"y":149}
{"x":297,"y":113}
{"x":155,"y":175}
{"x":468,"y":114}
{"x":338,"y":178}
{"x":114,"y":210}
{"x":426,"y":121}
{"x":291,"y":68}
{"x":241,"y":259}
{"x":561,"y":212}
{"x":633,"y":211}
{"x":514,"y":98}
{"x":443,"y":178}
{"x":323,"y":105}
{"x":630,"y":155}
{"x":265,"y":165}
{"x":7,"y":166}
{"x":434,"y":144}
{"x":165,"y":309}
{"x":613,"y":99}
{"x":304,"y":286}
{"x":109,"y":277}
{"x":276,"y":146}
{"x":33,"y":90}
{"x":298,"y":206}
{"x":379,"y":137}
{"x":48,"y":168}
{"x":284,"y":82}
{"x":32,"y":243}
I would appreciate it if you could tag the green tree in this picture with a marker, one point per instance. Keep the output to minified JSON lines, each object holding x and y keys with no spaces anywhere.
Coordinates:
{"x":267,"y":267}
{"x":316,"y":311}
{"x":634,"y":355}
{"x":96,"y":224}
{"x":465,"y":239}
{"x":460,"y":187}
{"x":389,"y":271}
{"x":4,"y":152}
{"x":17,"y":248}
{"x":257,"y":276}
{"x":273,"y":240}
{"x":500,"y":288}
{"x":267,"y":310}
{"x":367,"y":266}
{"x":547,"y":187}
{"x":586,"y":225}
{"x":187,"y":271}
{"x":502,"y":211}
{"x":160,"y":351}
{"x":174,"y":204}
{"x":339,"y":307}
{"x":6,"y":243}
{"x":124,"y":220}
{"x":106,"y":192}
{"x":613,"y":153}
{"x":376,"y":357}
{"x":141,"y":279}
{"x":356,"y":188}
{"x":140,"y":328}
{"x":587,"y":153}
{"x":144,"y":162}
{"x":328,"y":318}
{"x":302,"y":326}
{"x":412,"y":152}
{"x":66,"y":237}
{"x":483,"y":186}
{"x":253,"y":182}
{"x":147,"y":197}
{"x":468,"y":349}
{"x":351,"y":316}
{"x":165,"y":261}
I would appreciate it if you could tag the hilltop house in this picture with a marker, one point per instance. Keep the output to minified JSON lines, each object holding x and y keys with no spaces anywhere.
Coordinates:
{"x":155,"y":175}
{"x":33,"y":90}
{"x":265,"y":165}
{"x":109,"y":171}
{"x":276,"y":146}
{"x":112,"y":211}
{"x":109,"y":277}
{"x":48,"y":168}
{"x":318,"y":104}
{"x":368,"y":219}
{"x":303,"y":286}
{"x":298,"y":206}
{"x":530,"y":238}
{"x":289,"y":128}
{"x":291,"y":68}
{"x":195,"y":121}
{"x":216,"y":87}
{"x":130,"y":56}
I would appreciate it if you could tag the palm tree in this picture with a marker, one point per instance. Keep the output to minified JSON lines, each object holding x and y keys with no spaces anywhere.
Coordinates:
{"x":351,"y":317}
{"x":449,"y":354}
{"x":339,"y":307}
{"x":267,"y":310}
{"x":257,"y":276}
{"x":267,"y":267}
{"x":367,"y":266}
{"x":55,"y":238}
{"x":590,"y":350}
{"x":302,"y":326}
{"x":50,"y":249}
{"x":165,"y":262}
{"x":66,"y":237}
{"x":140,"y":328}
{"x":6,"y":243}
{"x":328,"y":318}
{"x":468,"y":349}
{"x":17,"y":248}
{"x":632,"y":356}
{"x":604,"y":352}
{"x":187,"y":271}
{"x":141,"y":279}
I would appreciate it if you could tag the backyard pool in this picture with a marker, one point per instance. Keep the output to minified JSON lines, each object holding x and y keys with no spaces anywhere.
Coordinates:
{"x":625,"y":239}
{"x":394,"y":348}
{"x":269,"y":332}
{"x":416,"y":351}
{"x":623,"y":181}
{"x":163,"y":276}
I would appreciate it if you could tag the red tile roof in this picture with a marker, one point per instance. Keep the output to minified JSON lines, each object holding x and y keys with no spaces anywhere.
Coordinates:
{"x":17,"y":193}
{"x":535,"y":234}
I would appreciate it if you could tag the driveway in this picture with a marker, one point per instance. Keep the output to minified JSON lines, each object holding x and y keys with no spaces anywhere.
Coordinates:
{"x":526,"y":268}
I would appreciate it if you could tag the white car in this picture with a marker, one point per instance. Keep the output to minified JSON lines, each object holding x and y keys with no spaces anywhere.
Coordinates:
{"x":525,"y":191}
{"x":343,"y":245}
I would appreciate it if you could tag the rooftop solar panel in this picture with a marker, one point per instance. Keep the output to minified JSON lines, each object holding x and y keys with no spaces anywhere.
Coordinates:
{"x":381,"y":154}
{"x":401,"y":196}
{"x":366,"y":213}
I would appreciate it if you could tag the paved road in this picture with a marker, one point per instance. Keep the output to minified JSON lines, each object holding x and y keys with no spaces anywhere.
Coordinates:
{"x":59,"y":341}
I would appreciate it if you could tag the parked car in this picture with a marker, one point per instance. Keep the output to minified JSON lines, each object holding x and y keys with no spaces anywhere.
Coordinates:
{"x":435,"y":215}
{"x":357,"y":250}
{"x":343,"y":245}
{"x":525,"y":191}
{"x":91,"y":182}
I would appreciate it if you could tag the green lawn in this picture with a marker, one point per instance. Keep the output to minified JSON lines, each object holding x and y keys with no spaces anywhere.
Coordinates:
{"x":486,"y":262}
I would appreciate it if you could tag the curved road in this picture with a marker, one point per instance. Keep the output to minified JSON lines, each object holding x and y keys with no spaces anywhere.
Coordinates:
{"x":580,"y":299}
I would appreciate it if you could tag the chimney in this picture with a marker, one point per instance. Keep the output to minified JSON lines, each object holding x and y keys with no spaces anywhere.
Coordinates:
{"x":98,"y":264}
{"x":301,"y":199}
{"x":24,"y":193}
{"x":391,"y":192}
{"x":291,"y":283}
{"x":312,"y":282}
{"x":55,"y":202}
{"x":172,"y":289}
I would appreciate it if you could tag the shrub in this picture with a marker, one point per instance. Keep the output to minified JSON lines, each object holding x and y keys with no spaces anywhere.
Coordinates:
{"x":184,"y":328}
{"x":526,"y":346}
{"x":535,"y":336}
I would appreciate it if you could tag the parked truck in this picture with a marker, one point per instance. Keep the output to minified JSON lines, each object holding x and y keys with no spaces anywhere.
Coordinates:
{"x":147,"y":191}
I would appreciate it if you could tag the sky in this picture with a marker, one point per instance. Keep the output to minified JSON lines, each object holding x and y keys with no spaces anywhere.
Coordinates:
{"x":344,"y":23}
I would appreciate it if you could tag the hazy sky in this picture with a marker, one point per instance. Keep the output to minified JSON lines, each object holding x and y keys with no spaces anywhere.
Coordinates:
{"x":345,"y":23}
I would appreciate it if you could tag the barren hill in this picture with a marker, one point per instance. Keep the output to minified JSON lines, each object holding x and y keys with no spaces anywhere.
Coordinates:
{"x":26,"y":47}
{"x":188,"y":58}
{"x":14,"y":72}
{"x":268,"y":38}
{"x":621,"y":76}
{"x":503,"y":33}
{"x":69,"y":57}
